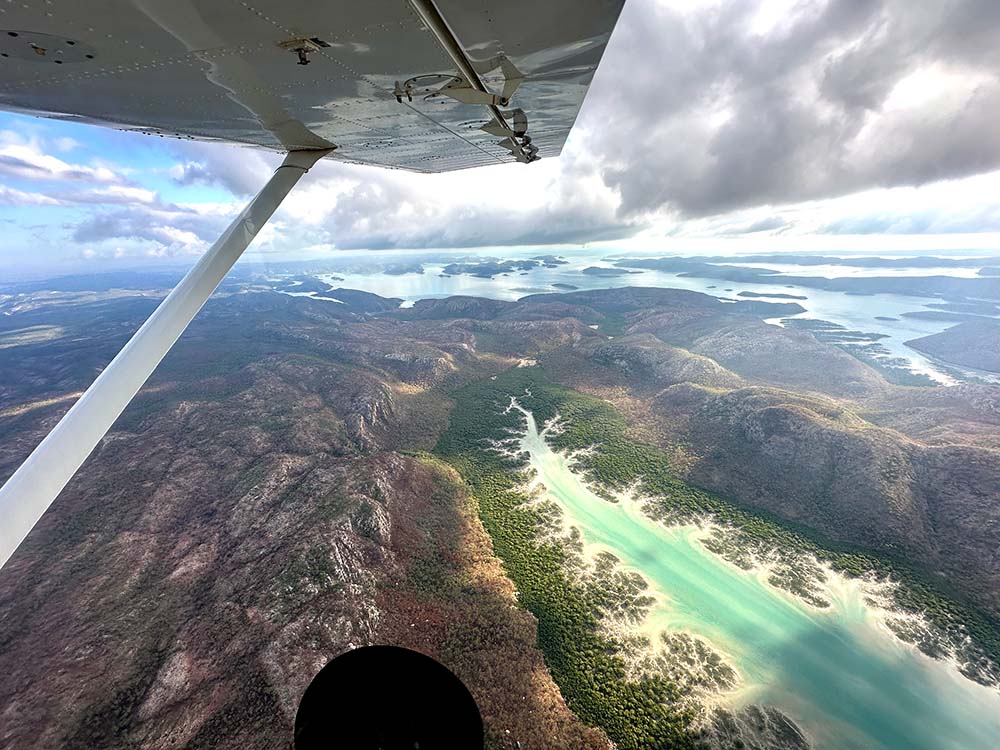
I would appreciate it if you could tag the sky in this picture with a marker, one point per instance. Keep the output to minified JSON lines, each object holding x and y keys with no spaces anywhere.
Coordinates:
{"x":716,"y":126}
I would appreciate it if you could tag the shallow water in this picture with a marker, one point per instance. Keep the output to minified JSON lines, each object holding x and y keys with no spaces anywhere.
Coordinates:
{"x":844,"y":679}
{"x":852,"y":311}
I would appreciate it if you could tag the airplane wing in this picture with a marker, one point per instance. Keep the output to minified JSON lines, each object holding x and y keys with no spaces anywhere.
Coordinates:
{"x":393,"y":83}
{"x":422,"y":85}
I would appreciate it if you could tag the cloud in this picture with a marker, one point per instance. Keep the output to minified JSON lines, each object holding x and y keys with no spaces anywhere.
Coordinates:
{"x":709,"y":115}
{"x":14,"y":197}
{"x":709,"y":110}
{"x":27,"y":159}
{"x":192,"y":173}
{"x":714,"y":119}
{"x":769,"y":224}
{"x":114,"y":194}
{"x":551,"y":202}
{"x":107,"y":195}
{"x":64,"y":143}
{"x":239,"y":170}
{"x":173,"y":230}
{"x":952,"y":220}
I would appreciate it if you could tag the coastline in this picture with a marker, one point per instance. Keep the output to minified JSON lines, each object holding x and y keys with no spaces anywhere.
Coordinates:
{"x":763,"y":553}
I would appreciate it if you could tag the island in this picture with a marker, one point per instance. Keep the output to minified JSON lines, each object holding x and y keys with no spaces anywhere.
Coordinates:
{"x":606,"y":272}
{"x":972,"y":343}
{"x":773,"y":295}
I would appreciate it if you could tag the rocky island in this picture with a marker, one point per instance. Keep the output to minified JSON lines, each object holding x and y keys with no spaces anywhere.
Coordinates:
{"x":972,"y":343}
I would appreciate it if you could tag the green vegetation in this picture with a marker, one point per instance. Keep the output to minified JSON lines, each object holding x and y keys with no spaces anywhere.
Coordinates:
{"x":446,"y":595}
{"x":307,"y":575}
{"x":584,"y":663}
{"x":107,"y":723}
{"x":249,"y":717}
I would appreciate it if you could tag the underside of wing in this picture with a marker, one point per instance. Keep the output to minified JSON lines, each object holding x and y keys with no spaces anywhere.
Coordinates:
{"x":410,"y":84}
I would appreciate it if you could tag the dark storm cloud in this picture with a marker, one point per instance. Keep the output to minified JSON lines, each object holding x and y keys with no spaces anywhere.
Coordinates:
{"x":805,"y":102}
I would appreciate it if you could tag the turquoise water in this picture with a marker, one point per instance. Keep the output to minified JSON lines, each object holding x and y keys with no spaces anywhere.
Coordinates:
{"x":844,"y":679}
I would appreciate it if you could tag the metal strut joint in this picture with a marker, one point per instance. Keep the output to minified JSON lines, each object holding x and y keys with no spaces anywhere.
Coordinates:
{"x":432,"y":18}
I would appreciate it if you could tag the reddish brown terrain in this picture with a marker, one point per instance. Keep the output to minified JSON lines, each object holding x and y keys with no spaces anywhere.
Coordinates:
{"x":244,"y":523}
{"x":268,"y":500}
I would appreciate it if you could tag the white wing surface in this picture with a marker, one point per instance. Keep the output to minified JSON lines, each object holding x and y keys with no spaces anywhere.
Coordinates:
{"x":379,"y":84}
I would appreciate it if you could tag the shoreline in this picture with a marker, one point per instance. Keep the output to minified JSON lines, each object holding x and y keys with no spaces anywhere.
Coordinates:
{"x":874,"y":596}
{"x":627,"y":616}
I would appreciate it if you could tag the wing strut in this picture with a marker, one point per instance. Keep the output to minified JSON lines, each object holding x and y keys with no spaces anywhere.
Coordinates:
{"x":432,"y":18}
{"x":33,"y":487}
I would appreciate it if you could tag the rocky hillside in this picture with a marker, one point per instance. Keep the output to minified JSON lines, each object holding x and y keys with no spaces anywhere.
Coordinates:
{"x":972,"y":343}
{"x":779,"y":421}
{"x":935,"y":506}
{"x":244,"y":522}
{"x":265,"y":503}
